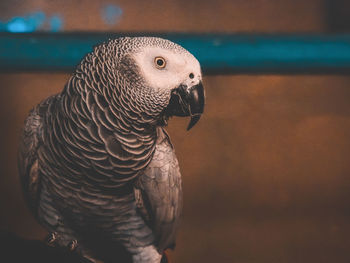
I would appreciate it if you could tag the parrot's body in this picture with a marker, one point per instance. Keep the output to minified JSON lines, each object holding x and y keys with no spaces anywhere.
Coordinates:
{"x":97,"y":167}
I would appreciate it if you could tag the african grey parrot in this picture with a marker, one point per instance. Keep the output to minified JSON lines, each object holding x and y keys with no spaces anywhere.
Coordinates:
{"x":97,"y":167}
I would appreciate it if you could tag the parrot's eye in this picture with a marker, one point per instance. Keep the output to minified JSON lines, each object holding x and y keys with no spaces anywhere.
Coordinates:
{"x":159,"y":62}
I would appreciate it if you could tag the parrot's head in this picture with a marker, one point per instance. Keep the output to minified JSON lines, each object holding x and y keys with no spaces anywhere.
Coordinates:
{"x":154,"y":78}
{"x":175,"y":75}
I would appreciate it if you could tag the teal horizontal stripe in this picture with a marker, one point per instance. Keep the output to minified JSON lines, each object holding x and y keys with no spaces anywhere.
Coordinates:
{"x":217,"y":53}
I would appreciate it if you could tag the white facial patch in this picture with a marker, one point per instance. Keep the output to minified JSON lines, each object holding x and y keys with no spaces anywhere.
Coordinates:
{"x":177,"y":70}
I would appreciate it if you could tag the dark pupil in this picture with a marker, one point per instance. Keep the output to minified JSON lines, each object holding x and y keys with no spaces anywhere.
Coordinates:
{"x":160,"y":62}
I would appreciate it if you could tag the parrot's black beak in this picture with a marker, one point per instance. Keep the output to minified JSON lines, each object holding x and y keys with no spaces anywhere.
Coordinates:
{"x":187,"y":101}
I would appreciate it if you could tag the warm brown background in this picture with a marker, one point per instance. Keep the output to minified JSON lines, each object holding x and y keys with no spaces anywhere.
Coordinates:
{"x":266,"y":171}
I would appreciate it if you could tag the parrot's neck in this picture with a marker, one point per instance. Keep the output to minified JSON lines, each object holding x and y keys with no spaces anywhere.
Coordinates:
{"x":90,"y":137}
{"x":103,"y":129}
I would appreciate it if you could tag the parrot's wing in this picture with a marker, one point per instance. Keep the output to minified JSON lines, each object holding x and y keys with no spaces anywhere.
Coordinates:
{"x":162,"y":193}
{"x":28,"y":163}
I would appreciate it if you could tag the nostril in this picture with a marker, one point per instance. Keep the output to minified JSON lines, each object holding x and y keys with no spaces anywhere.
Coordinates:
{"x":191,"y":75}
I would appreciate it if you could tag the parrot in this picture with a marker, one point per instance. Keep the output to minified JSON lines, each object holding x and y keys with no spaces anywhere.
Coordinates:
{"x":97,"y":167}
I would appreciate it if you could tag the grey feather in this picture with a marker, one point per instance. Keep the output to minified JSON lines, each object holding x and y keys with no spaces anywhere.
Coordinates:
{"x":161,"y":187}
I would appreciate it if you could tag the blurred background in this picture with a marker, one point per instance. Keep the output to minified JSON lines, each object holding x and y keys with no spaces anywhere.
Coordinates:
{"x":266,"y":172}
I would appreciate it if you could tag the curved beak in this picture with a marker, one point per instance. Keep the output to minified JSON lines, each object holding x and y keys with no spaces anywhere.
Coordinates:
{"x":187,"y":101}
